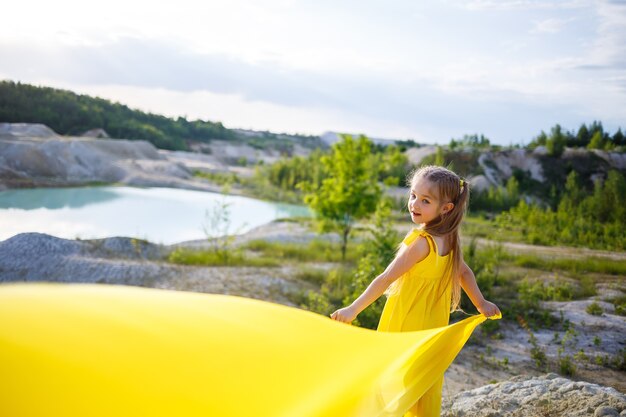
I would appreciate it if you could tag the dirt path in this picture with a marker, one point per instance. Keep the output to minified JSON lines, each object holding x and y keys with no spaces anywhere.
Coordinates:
{"x":550,"y":251}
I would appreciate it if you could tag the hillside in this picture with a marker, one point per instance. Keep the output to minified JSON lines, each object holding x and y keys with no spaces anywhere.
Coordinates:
{"x":71,"y":114}
{"x":33,"y":155}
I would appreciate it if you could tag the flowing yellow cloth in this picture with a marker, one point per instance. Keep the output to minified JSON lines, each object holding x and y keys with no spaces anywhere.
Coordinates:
{"x":104,"y":350}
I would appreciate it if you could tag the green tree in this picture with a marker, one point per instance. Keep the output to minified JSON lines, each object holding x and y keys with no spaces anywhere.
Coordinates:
{"x":583,"y":137}
{"x":541,"y":139}
{"x":618,"y":138}
{"x":597,"y":141}
{"x":349,"y":192}
{"x":439,"y":159}
{"x":512,"y":191}
{"x":555,"y":144}
{"x":393,"y":165}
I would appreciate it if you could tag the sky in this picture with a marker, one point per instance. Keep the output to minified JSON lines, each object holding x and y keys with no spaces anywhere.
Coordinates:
{"x":422,"y":70}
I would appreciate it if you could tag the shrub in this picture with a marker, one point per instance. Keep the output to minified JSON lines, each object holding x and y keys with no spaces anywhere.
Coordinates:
{"x":566,"y":366}
{"x":594,"y":309}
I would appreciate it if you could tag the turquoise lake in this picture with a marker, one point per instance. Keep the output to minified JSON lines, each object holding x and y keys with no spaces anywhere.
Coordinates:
{"x":160,"y":215}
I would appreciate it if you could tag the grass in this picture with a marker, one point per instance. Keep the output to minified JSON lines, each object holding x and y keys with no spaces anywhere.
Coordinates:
{"x":184,"y":256}
{"x":315,"y":250}
{"x":519,"y":283}
{"x":479,"y":224}
{"x":313,"y":275}
{"x":576,"y":266}
{"x":262,"y":253}
{"x":256,"y":186}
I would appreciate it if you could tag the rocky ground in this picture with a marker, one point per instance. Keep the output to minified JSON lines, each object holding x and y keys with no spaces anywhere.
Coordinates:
{"x":126,"y":261}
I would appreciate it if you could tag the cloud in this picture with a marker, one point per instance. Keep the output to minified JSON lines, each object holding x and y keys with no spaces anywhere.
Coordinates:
{"x":551,"y":25}
{"x":157,"y":64}
{"x":524,"y":4}
{"x":610,"y":44}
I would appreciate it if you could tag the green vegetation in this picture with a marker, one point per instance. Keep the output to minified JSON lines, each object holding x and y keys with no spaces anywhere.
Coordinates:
{"x":257,"y":186}
{"x":497,"y":199}
{"x":315,"y":250}
{"x":392,"y":165}
{"x":595,"y":309}
{"x":68,"y":113}
{"x":620,"y":305}
{"x":71,"y":114}
{"x":348,"y":192}
{"x":537,"y":353}
{"x":473,"y":141}
{"x":270,"y":254}
{"x":592,"y":137}
{"x":186,"y":256}
{"x":375,"y":253}
{"x":594,"y":221}
{"x":576,"y":266}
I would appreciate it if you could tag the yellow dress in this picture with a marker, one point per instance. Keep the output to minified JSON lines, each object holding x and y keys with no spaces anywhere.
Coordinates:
{"x":421,"y":302}
{"x":76,"y":350}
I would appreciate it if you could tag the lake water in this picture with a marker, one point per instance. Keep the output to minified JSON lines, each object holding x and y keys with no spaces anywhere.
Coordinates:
{"x":160,"y":215}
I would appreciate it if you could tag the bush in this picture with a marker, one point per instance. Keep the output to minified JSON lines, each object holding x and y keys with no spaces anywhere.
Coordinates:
{"x":594,"y":309}
{"x":566,"y":366}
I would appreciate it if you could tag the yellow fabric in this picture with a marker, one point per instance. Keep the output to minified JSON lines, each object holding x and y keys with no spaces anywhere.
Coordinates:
{"x":104,"y":350}
{"x":421,"y":302}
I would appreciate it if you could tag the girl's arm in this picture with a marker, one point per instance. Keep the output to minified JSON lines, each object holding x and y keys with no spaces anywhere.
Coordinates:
{"x":415,"y":252}
{"x":469,"y":285}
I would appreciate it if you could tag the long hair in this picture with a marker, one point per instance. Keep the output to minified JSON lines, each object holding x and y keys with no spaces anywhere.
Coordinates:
{"x":448,"y":188}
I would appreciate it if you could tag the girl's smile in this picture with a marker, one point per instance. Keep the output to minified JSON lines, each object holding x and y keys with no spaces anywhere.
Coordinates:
{"x":423,"y":205}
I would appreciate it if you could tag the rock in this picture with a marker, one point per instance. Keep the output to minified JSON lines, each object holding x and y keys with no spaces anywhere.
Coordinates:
{"x":532,"y":396}
{"x":605,"y":411}
{"x":126,"y":261}
{"x":33,"y":155}
{"x":415,"y":155}
{"x":41,"y":257}
{"x":19,"y":130}
{"x":96,"y":133}
{"x":479,"y":183}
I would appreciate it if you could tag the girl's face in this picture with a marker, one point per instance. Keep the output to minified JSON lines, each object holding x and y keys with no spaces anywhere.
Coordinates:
{"x":424,"y":204}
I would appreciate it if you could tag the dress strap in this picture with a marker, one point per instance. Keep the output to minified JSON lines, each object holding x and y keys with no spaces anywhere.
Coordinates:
{"x":410,"y":238}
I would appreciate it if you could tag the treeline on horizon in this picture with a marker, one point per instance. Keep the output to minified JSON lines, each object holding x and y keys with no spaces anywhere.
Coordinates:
{"x":556,"y":140}
{"x":68,"y":113}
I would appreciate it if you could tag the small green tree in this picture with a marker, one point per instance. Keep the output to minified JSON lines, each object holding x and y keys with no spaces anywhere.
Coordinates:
{"x":583,"y":137}
{"x":349,"y":192}
{"x":597,"y":141}
{"x":216,"y":228}
{"x":439,"y":159}
{"x":555,"y":144}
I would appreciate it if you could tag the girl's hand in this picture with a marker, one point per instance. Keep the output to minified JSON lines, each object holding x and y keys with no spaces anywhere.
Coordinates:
{"x":346,"y":315}
{"x":488,"y":308}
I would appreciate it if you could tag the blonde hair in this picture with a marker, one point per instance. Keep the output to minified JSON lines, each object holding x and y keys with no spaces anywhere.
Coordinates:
{"x":449,"y":187}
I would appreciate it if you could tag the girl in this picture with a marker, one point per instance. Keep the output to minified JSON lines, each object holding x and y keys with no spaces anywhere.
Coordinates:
{"x":423,"y":282}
